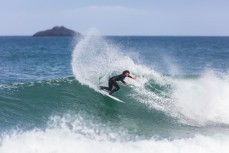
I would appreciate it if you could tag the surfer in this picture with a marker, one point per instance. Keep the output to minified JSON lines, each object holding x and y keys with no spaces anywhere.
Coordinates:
{"x":113,"y":81}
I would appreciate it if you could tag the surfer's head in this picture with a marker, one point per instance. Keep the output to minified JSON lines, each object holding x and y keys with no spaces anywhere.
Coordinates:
{"x":126,"y":73}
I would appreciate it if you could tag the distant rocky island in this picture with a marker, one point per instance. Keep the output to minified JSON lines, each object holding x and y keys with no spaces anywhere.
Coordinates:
{"x":57,"y":31}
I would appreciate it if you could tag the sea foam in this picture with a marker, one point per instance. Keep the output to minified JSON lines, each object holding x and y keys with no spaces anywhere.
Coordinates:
{"x":72,"y":134}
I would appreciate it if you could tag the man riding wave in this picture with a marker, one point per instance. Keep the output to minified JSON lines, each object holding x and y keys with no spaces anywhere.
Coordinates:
{"x":113,"y":82}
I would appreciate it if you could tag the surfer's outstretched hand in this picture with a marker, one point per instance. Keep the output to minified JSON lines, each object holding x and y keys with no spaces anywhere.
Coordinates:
{"x":134,"y":78}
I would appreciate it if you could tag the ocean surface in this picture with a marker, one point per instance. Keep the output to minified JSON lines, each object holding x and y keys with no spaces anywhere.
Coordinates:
{"x":50,"y":100}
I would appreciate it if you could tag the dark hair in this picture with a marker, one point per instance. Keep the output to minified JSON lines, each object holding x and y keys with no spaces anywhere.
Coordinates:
{"x":126,"y":71}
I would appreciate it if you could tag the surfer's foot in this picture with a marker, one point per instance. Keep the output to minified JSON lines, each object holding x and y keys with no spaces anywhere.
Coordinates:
{"x":101,"y":87}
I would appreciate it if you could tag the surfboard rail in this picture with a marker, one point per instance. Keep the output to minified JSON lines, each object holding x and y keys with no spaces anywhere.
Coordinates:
{"x":113,"y":97}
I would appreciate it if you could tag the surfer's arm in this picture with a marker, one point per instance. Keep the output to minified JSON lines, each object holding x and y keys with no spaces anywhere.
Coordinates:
{"x":134,"y":78}
{"x":124,"y":82}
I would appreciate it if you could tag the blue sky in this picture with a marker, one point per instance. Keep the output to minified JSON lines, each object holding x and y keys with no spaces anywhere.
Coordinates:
{"x":117,"y":17}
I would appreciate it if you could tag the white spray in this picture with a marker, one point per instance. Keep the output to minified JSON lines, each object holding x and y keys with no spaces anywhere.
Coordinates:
{"x":201,"y":101}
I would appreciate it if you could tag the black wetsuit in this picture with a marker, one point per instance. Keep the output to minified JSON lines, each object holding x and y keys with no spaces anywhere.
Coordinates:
{"x":112,"y":82}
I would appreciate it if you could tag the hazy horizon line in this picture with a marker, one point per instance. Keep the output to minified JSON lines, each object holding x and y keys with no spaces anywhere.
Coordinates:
{"x":125,"y":36}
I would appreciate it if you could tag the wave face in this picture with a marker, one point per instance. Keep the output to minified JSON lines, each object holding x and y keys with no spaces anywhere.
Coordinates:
{"x":162,"y":112}
{"x":34,"y":103}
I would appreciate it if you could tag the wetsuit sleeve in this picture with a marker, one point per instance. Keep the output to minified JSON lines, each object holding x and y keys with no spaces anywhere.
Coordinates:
{"x":124,"y":81}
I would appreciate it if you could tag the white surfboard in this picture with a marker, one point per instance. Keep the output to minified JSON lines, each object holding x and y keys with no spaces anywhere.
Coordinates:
{"x":107,"y":94}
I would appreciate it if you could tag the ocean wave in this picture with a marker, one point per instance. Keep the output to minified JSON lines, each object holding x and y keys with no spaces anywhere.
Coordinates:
{"x":182,"y":98}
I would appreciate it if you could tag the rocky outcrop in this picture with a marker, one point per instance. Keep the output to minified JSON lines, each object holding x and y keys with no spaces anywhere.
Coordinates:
{"x":56,"y":32}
